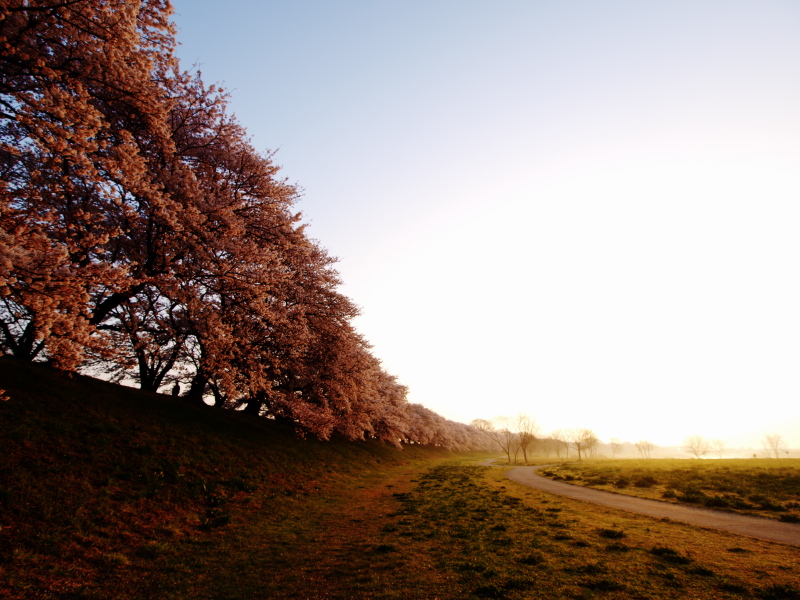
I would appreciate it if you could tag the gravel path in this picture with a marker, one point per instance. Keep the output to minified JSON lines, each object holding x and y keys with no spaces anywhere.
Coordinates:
{"x":757,"y":527}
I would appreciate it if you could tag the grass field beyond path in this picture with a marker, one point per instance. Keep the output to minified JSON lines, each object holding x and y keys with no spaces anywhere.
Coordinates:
{"x":763,"y":487}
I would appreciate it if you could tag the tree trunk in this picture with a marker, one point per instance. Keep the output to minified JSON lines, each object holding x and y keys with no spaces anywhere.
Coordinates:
{"x":113,"y":301}
{"x":196,"y":389}
{"x":219,"y":398}
{"x":253,"y":407}
{"x":24,"y":347}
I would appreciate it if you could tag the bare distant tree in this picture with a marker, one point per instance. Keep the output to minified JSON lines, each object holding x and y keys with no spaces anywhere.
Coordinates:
{"x":505,"y":427}
{"x":774,"y":445}
{"x":499,"y":432}
{"x":560,"y":442}
{"x":583,"y":440}
{"x":544,"y":446}
{"x":516,"y":445}
{"x":718,"y":447}
{"x":697,"y":446}
{"x":616,"y":447}
{"x":592,"y":446}
{"x":645,"y":448}
{"x":527,"y":432}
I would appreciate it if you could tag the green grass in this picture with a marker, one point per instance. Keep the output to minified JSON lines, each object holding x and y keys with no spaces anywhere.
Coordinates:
{"x":763,"y":487}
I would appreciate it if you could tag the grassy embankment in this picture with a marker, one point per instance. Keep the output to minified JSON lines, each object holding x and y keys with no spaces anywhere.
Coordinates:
{"x":110,"y":493}
{"x":105,"y":490}
{"x":763,"y":487}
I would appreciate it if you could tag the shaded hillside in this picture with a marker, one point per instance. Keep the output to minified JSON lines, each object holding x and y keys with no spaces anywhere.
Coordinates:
{"x":94,"y":474}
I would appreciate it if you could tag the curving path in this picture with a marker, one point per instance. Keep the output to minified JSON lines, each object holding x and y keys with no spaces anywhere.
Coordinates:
{"x":757,"y":527}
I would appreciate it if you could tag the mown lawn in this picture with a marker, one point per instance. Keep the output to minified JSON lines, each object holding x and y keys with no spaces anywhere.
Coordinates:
{"x":763,"y":487}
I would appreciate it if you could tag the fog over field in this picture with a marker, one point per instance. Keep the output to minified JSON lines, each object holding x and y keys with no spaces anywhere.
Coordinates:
{"x":587,"y":211}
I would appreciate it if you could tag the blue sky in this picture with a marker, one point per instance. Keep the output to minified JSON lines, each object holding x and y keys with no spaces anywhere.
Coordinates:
{"x":584,"y":210}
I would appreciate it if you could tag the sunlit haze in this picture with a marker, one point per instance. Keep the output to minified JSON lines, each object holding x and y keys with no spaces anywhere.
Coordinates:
{"x":588,"y":211}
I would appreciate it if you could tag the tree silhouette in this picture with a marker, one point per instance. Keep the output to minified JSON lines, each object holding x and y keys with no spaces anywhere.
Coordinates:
{"x":616,"y":447}
{"x":774,"y":445}
{"x":583,"y":440}
{"x":645,"y":447}
{"x":498,"y":430}
{"x":527,"y":431}
{"x":697,"y":446}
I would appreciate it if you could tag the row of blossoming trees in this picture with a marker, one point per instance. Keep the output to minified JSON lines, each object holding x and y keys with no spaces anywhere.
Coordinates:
{"x":142,"y":236}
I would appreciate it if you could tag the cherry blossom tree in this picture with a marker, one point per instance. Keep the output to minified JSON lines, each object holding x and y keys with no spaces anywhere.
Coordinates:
{"x":142,"y":235}
{"x":73,"y":76}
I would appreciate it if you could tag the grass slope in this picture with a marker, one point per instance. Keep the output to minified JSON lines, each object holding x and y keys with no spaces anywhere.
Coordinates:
{"x":99,"y":481}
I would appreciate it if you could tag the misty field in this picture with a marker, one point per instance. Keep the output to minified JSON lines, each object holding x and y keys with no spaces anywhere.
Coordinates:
{"x":762,"y":487}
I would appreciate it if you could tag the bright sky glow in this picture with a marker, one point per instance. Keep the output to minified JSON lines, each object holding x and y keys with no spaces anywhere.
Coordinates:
{"x":589,"y":211}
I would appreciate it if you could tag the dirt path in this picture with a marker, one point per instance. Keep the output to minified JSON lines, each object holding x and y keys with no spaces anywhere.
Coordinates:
{"x":757,"y":527}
